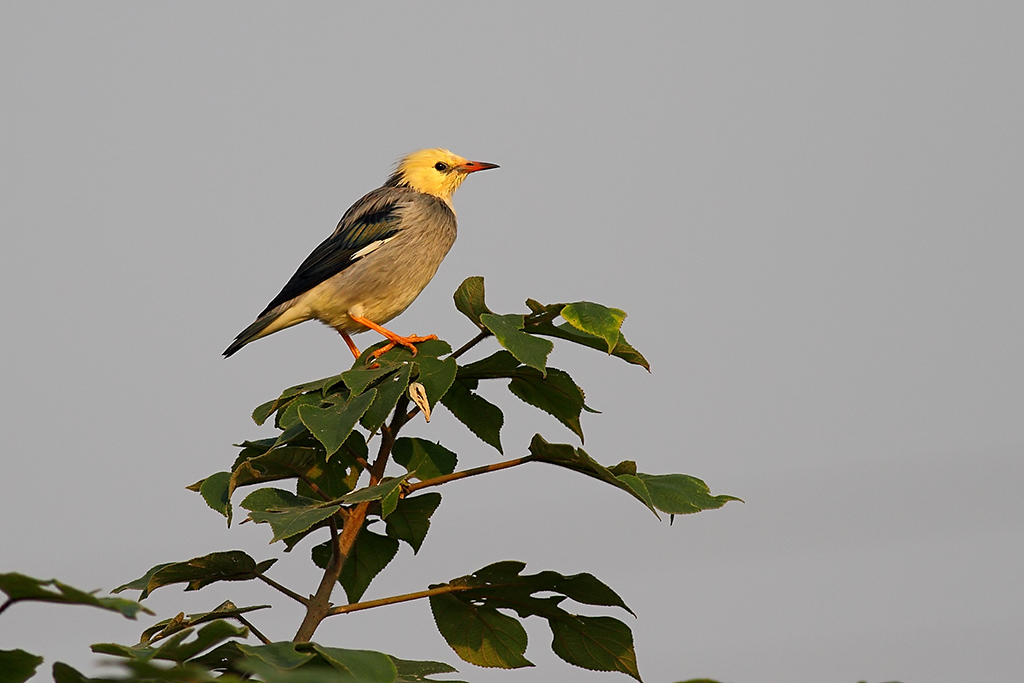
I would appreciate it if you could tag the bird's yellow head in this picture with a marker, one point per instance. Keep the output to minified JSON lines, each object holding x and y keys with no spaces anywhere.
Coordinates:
{"x":435,"y":171}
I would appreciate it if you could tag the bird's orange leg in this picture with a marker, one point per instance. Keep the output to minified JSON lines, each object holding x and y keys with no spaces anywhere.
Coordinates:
{"x":393,"y":339}
{"x":351,"y":345}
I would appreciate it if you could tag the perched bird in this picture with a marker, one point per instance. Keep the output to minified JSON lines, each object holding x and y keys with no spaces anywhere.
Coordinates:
{"x":385,"y":250}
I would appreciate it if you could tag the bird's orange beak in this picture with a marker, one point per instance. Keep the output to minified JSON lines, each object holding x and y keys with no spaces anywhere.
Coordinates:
{"x":473,"y":166}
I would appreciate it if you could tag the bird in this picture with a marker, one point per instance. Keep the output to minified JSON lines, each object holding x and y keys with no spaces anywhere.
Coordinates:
{"x":386,"y":249}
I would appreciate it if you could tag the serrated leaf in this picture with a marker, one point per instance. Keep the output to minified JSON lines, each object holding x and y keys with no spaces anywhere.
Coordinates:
{"x":231,"y":565}
{"x":363,"y":666}
{"x":177,"y":648}
{"x":436,"y":376}
{"x":498,"y":364}
{"x":20,"y":587}
{"x":17,"y":666}
{"x":331,"y":426}
{"x":285,"y":462}
{"x":481,"y":416}
{"x":528,"y":349}
{"x":289,"y":415}
{"x":389,"y":390}
{"x":622,"y":348}
{"x":595,"y":319}
{"x":368,"y":557}
{"x":469,"y":299}
{"x":577,"y":459}
{"x":480,"y":635}
{"x":375,"y":492}
{"x":594,"y":643}
{"x":279,"y":656}
{"x":680,"y":494}
{"x":409,"y":671}
{"x":214,"y":491}
{"x":423,"y":459}
{"x":556,"y":394}
{"x":411,"y":519}
{"x":287,"y":513}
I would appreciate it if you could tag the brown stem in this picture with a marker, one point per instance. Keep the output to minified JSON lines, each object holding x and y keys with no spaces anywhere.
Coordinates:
{"x":394,"y":599}
{"x":319,"y":604}
{"x":484,"y":334}
{"x":287,"y":591}
{"x":255,"y":631}
{"x":445,"y":478}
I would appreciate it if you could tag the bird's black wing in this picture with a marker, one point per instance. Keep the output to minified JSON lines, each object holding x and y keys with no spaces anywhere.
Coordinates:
{"x":371,"y":220}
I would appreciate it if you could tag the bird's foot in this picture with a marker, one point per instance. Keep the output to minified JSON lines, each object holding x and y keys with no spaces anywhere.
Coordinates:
{"x":395,"y":340}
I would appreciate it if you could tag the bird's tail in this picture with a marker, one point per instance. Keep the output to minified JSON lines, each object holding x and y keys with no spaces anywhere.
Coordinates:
{"x":252,"y":333}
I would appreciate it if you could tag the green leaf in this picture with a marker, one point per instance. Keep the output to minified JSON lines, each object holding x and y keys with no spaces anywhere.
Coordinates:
{"x":280,"y":656}
{"x":287,"y":513}
{"x":528,"y":349}
{"x":214,"y":491}
{"x":577,"y":459}
{"x":481,"y":416}
{"x":556,"y":394}
{"x":231,"y":565}
{"x":19,"y":587}
{"x":423,"y":459}
{"x":375,"y":492}
{"x":180,"y":622}
{"x":596,"y":320}
{"x":679,"y":494}
{"x":363,"y":666}
{"x":411,"y":519}
{"x":469,"y":299}
{"x":331,"y":426}
{"x":595,"y":643}
{"x":368,"y":557}
{"x":177,"y":648}
{"x":289,"y":415}
{"x":436,"y":376}
{"x":480,"y":635}
{"x":498,"y":364}
{"x":284,"y":462}
{"x":17,"y":666}
{"x":622,"y":348}
{"x":389,"y":390}
{"x":417,"y":671}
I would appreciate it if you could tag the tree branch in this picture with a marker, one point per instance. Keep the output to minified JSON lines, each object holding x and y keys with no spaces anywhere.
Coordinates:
{"x":287,"y":591}
{"x":394,"y":599}
{"x":445,"y":478}
{"x":255,"y":631}
{"x":484,"y":334}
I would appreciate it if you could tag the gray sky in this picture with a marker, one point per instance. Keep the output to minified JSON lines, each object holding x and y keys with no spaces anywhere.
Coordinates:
{"x":812,"y":213}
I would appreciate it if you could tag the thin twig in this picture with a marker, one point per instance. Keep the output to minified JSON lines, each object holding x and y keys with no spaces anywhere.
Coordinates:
{"x":394,"y":599}
{"x":445,"y":478}
{"x":484,"y":334}
{"x":287,"y":591}
{"x":255,"y":631}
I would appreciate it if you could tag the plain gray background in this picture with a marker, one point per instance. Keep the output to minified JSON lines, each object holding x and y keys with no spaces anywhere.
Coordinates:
{"x":812,"y":213}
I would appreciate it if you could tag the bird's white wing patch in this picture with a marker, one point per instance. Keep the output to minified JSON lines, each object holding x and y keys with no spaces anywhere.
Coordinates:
{"x":371,"y":247}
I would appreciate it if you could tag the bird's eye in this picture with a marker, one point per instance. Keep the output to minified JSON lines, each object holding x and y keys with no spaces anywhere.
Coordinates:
{"x":441,"y":166}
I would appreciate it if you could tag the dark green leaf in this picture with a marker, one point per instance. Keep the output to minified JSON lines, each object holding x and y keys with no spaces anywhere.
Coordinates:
{"x":18,"y":587}
{"x":363,"y":666}
{"x":63,"y":673}
{"x":556,"y":394}
{"x":177,"y":648}
{"x":424,"y":459}
{"x":577,"y":459}
{"x":498,"y":364}
{"x":289,"y":415}
{"x":528,"y":349}
{"x":417,"y":671}
{"x":214,"y":491}
{"x":480,"y":635}
{"x":232,"y":565}
{"x":331,"y":426}
{"x":280,"y":656}
{"x":335,"y":477}
{"x":375,"y":492}
{"x":287,"y":513}
{"x":17,"y":666}
{"x":481,"y":416}
{"x":436,"y":376}
{"x":679,"y":494}
{"x":284,"y":462}
{"x":595,"y":643}
{"x":411,"y":519}
{"x":180,"y":622}
{"x":622,"y":348}
{"x":596,"y":320}
{"x":389,"y":390}
{"x":370,"y":554}
{"x":469,"y":299}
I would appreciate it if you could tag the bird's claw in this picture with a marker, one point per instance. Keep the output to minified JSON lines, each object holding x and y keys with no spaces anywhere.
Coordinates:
{"x":408,"y":342}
